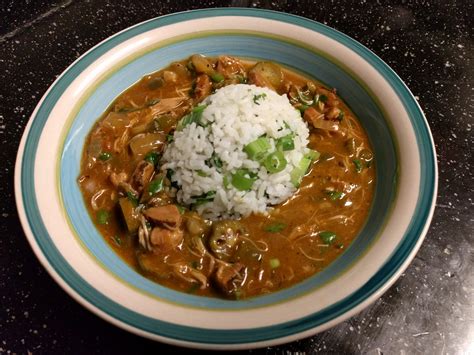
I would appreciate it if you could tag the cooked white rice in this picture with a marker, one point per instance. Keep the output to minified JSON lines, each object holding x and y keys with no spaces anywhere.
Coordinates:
{"x":235,"y":116}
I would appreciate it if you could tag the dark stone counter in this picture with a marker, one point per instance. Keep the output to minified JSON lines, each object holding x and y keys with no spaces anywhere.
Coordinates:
{"x":429,"y":310}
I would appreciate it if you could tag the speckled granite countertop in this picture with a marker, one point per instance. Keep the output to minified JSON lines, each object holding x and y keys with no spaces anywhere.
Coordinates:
{"x":429,"y":310}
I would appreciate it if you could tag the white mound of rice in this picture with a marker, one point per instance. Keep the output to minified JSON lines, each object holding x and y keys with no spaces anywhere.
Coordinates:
{"x":235,"y":116}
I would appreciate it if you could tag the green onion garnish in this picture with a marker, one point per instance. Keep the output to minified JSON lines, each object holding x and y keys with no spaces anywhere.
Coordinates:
{"x":204,"y":198}
{"x":334,"y":195}
{"x":327,"y":237}
{"x":155,"y":186}
{"x":201,"y":173}
{"x":132,"y":198}
{"x":217,"y":77}
{"x":193,"y":117}
{"x":323,"y":98}
{"x":340,"y":117}
{"x":102,"y":217}
{"x":256,"y":98}
{"x":275,"y":162}
{"x":358,"y":165}
{"x":298,"y":172}
{"x":105,"y":156}
{"x":181,"y":209}
{"x":243,"y":179}
{"x":275,"y":227}
{"x":257,"y":149}
{"x":152,"y":157}
{"x":274,"y":263}
{"x":285,"y":143}
{"x":117,"y":240}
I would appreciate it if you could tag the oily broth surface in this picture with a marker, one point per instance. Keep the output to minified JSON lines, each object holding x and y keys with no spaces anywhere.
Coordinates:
{"x":295,"y":242}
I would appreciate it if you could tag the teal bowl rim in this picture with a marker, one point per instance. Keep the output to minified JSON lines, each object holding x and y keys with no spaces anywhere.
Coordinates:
{"x":52,"y":259}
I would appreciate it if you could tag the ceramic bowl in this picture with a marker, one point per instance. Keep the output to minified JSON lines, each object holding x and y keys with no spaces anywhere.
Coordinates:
{"x":65,"y":240}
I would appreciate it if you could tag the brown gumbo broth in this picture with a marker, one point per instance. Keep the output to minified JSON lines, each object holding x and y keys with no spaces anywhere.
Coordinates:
{"x":129,"y":198}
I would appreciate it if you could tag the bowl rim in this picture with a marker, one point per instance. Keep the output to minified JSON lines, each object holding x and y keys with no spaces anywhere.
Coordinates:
{"x":375,"y":288}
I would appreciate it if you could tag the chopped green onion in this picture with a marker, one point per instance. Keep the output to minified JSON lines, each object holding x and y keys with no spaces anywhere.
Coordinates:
{"x":327,"y":237}
{"x":257,"y":149}
{"x":105,"y":156}
{"x":242,"y":79}
{"x":302,"y":108}
{"x":117,"y":240}
{"x":256,"y":98}
{"x":313,"y":154}
{"x":298,"y":172}
{"x":225,"y":181}
{"x":204,"y":198}
{"x":323,"y":98}
{"x":334,"y":195}
{"x":181,"y":209}
{"x":243,"y":180}
{"x":285,"y":143}
{"x":102,"y":217}
{"x":275,"y":227}
{"x":201,"y":173}
{"x":132,"y":198}
{"x":215,"y":161}
{"x":358,"y":165}
{"x":155,"y":186}
{"x":275,"y":162}
{"x":193,"y":117}
{"x":274,"y":263}
{"x":217,"y":77}
{"x":340,"y":117}
{"x":152,"y":157}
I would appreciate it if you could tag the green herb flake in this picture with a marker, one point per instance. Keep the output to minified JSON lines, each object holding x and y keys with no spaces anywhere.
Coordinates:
{"x":275,"y":227}
{"x":169,"y":138}
{"x":132,"y":198}
{"x":274,"y":263}
{"x":201,"y":173}
{"x":181,"y":209}
{"x":323,"y":98}
{"x":102,"y":217}
{"x":257,"y":98}
{"x":217,"y":77}
{"x":358,"y":165}
{"x":340,"y":117}
{"x":334,"y":195}
{"x":204,"y":198}
{"x":327,"y":237}
{"x":105,"y":156}
{"x":117,"y":240}
{"x":155,"y":186}
{"x":152,"y":158}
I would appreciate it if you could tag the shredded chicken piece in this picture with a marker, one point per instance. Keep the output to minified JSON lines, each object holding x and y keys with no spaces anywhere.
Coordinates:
{"x":188,"y":274}
{"x":166,"y":105}
{"x":117,"y":178}
{"x":170,"y":76}
{"x":164,"y":239}
{"x":229,"y":67}
{"x":168,"y":215}
{"x":142,"y":175}
{"x":229,"y":277}
{"x":203,"y":87}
